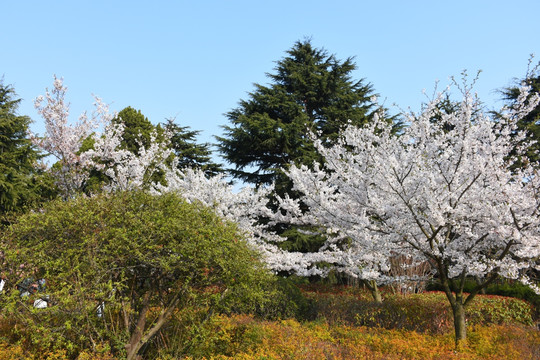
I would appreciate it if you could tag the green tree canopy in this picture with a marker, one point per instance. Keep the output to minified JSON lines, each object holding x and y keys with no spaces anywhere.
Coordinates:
{"x":310,"y":89}
{"x":189,"y":153}
{"x":21,"y":182}
{"x":531,"y":122}
{"x":137,"y":129}
{"x":118,"y":266}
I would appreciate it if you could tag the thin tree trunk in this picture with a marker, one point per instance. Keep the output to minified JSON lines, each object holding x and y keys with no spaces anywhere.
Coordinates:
{"x":456,"y":302}
{"x":135,"y":343}
{"x":139,"y":338}
{"x":479,"y":283}
{"x":375,"y":293}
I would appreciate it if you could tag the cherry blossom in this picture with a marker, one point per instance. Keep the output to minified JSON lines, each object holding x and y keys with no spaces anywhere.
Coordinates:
{"x":124,"y":169}
{"x":440,"y":192}
{"x":63,"y":139}
{"x":245,"y":208}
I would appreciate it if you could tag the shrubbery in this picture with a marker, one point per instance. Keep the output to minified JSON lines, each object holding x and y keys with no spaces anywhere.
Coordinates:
{"x":170,"y":279}
{"x":242,"y":337}
{"x":119,"y":267}
{"x":427,"y":312}
{"x":503,"y":288}
{"x":337,"y":333}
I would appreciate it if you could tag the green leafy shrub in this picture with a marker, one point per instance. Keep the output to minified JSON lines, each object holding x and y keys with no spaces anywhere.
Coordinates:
{"x":504,"y":288}
{"x":200,"y":333}
{"x":282,"y":299}
{"x":425,"y":312}
{"x":119,"y":267}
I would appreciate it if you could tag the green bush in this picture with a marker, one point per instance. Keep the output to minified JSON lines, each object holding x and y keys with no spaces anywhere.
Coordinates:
{"x":503,"y":288}
{"x":146,"y":258}
{"x":426,"y":312}
{"x":282,"y":299}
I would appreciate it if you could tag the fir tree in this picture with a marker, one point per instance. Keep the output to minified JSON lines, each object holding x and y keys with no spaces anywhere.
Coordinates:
{"x":189,"y":153}
{"x":21,"y":182}
{"x":310,"y":89}
{"x":529,"y":123}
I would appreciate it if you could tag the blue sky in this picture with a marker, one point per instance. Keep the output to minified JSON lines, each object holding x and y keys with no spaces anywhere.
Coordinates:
{"x":194,"y":60}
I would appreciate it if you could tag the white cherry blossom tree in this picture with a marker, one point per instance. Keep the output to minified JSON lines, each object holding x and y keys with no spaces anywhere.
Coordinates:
{"x":244,"y":207}
{"x":439,"y":192}
{"x":124,"y":169}
{"x":63,"y":139}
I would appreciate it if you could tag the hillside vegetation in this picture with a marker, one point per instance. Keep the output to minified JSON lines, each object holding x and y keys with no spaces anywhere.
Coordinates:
{"x":336,"y":322}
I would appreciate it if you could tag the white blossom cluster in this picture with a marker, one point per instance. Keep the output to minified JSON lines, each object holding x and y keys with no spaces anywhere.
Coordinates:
{"x":127,"y":171}
{"x":124,"y":169}
{"x":243,"y":207}
{"x":62,"y":139}
{"x":441,"y":191}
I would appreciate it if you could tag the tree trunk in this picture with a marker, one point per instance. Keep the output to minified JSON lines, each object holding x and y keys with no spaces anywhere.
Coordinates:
{"x":375,"y":293}
{"x":456,"y":302}
{"x":134,"y":346}
{"x":135,"y":342}
{"x":460,"y":326}
{"x":479,"y":283}
{"x":139,"y":338}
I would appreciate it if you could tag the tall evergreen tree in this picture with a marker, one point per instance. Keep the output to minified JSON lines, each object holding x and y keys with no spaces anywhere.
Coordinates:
{"x":310,"y":89}
{"x":21,"y":182}
{"x":529,"y":123}
{"x":189,"y":153}
{"x":137,"y":129}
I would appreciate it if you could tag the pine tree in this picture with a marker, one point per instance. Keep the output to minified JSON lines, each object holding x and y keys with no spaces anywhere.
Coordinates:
{"x":21,"y":182}
{"x":310,"y":90}
{"x":529,"y":123}
{"x":188,"y":152}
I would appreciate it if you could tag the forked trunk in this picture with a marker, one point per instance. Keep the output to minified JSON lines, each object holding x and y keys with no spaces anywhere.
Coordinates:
{"x":133,"y":348}
{"x":135,"y":342}
{"x":140,"y":336}
{"x":457,"y":303}
{"x":374,"y":289}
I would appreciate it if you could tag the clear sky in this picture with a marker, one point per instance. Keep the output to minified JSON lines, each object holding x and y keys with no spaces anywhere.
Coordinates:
{"x":194,"y":60}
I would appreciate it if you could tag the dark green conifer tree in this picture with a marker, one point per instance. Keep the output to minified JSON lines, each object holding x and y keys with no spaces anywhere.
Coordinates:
{"x":22,"y":182}
{"x":310,"y":90}
{"x":530,"y":123}
{"x":189,"y":153}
